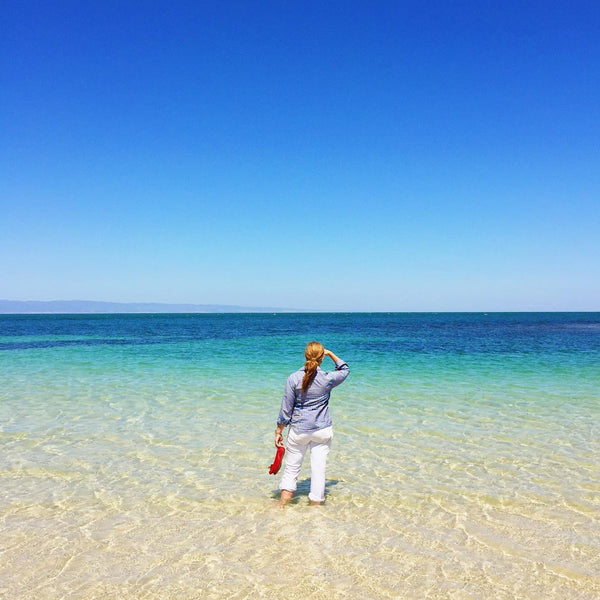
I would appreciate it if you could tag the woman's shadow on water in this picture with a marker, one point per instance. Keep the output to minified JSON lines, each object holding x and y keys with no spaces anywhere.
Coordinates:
{"x":303,"y":490}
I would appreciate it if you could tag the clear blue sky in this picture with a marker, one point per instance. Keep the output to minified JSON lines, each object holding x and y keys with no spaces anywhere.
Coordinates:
{"x":326,"y":155}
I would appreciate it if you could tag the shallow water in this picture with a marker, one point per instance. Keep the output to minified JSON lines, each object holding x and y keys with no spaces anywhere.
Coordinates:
{"x":134,"y":455}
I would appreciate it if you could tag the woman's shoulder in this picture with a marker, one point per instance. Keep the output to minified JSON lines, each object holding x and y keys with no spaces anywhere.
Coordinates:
{"x":296,"y":374}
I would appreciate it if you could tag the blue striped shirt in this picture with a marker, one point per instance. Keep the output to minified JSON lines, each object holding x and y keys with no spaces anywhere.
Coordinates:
{"x":310,"y":411}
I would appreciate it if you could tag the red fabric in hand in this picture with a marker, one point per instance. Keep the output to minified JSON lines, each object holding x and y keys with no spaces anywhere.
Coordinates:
{"x":274,"y":468}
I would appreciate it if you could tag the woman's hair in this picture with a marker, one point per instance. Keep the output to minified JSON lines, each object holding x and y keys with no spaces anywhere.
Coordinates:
{"x":314,"y":355}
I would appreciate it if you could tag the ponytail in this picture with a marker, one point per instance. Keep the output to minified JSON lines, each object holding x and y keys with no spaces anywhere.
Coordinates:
{"x":314,"y":355}
{"x":310,"y":372}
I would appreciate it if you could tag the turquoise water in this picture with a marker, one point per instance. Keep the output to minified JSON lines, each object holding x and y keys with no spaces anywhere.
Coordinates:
{"x":135,"y":448}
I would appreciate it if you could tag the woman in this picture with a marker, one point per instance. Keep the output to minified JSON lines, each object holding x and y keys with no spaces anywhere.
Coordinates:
{"x":305,"y":407}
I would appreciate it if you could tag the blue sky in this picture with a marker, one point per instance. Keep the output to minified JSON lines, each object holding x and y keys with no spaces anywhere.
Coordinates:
{"x":333,"y":156}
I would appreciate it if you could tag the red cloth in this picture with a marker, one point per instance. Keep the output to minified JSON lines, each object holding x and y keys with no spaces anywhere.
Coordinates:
{"x":274,"y":468}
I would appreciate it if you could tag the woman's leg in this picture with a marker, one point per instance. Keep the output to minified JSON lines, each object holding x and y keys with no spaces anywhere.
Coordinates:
{"x":296,"y":447}
{"x":319,"y":450}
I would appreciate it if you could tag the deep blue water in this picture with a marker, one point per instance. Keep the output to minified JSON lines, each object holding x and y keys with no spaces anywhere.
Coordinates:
{"x":486,"y":333}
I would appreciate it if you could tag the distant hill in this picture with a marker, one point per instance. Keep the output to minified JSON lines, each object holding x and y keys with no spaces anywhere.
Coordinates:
{"x":92,"y":307}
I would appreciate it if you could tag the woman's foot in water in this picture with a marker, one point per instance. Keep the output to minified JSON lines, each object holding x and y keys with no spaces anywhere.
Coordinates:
{"x":286,"y":496}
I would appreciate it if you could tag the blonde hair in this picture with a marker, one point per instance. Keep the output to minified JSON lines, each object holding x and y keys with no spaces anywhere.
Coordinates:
{"x":313,"y":353}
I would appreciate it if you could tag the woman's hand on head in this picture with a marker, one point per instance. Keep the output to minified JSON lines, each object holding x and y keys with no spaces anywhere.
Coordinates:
{"x":331,"y":355}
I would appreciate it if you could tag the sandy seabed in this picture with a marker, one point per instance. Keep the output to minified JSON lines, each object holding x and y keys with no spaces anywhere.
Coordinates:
{"x":173,"y":546}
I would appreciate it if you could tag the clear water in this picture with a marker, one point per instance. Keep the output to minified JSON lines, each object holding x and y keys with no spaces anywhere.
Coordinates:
{"x":134,"y":454}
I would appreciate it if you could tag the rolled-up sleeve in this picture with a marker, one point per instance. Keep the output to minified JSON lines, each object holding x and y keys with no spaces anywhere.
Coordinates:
{"x":287,"y":403}
{"x":342,"y":370}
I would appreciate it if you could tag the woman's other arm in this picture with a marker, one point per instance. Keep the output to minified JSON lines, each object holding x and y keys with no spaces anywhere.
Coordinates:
{"x":285,"y":413}
{"x":279,"y":436}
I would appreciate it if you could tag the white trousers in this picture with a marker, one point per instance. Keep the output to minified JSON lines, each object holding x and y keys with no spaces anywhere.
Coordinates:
{"x":319,"y":443}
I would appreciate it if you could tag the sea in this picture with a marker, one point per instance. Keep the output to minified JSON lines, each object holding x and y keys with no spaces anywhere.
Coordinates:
{"x":135,"y":449}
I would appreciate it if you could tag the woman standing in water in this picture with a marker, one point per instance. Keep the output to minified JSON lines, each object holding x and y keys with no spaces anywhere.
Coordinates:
{"x":305,"y":408}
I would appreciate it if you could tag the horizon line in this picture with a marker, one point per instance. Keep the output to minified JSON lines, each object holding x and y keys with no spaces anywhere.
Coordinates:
{"x":69,"y":307}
